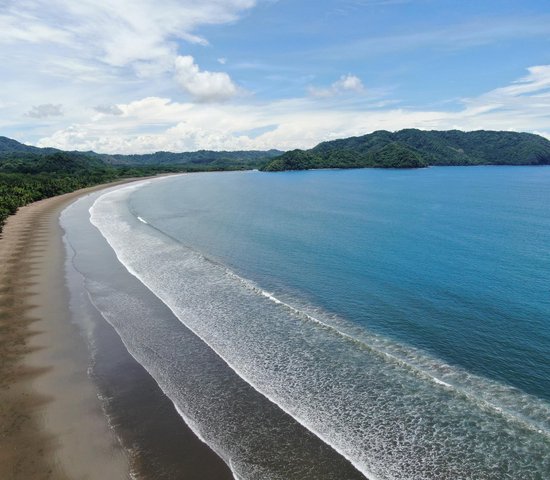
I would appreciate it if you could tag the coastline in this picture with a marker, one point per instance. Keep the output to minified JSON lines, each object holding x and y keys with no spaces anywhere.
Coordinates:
{"x":62,"y":437}
{"x":52,"y":422}
{"x":52,"y":425}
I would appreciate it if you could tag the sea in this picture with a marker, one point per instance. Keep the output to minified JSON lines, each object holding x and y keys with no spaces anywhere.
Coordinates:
{"x":330,"y":324}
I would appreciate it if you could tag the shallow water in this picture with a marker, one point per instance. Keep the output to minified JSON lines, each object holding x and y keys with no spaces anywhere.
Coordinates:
{"x":400,"y":317}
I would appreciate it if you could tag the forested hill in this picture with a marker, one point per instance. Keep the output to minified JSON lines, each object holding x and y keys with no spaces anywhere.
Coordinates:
{"x":413,"y":148}
{"x":250,"y":158}
{"x":30,"y":173}
{"x":202,"y":159}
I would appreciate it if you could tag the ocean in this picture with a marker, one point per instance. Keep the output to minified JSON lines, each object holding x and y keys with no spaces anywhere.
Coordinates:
{"x":376,"y":324}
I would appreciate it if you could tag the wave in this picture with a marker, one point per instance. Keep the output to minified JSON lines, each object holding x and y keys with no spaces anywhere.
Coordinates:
{"x":533,"y":413}
{"x":379,"y":404}
{"x":251,"y":434}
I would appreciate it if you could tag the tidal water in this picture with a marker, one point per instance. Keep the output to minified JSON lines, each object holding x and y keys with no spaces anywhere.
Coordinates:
{"x":338,"y":324}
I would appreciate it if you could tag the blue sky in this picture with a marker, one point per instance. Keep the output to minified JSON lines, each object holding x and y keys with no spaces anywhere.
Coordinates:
{"x":146,"y":75}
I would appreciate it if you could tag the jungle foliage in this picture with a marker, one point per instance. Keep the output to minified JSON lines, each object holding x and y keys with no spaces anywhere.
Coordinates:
{"x":30,"y":175}
{"x":413,"y":148}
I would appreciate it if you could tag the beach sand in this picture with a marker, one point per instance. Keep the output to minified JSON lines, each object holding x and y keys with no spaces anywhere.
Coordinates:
{"x":51,"y":422}
{"x":52,"y":425}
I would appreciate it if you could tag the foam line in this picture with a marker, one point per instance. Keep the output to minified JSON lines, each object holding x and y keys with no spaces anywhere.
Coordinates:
{"x":418,"y":370}
{"x":114,"y":229}
{"x":194,"y":428}
{"x":362,"y":468}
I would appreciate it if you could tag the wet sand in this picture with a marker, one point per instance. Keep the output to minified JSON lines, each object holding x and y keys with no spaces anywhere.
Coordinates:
{"x":51,"y":421}
{"x":52,"y":425}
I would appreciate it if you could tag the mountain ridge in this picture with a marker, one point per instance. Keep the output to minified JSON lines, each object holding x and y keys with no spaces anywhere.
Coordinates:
{"x":407,"y":148}
{"x":245,"y":158}
{"x":413,"y":148}
{"x":29,"y":173}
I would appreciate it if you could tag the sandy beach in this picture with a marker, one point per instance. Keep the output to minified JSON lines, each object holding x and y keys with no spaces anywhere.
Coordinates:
{"x":51,"y":422}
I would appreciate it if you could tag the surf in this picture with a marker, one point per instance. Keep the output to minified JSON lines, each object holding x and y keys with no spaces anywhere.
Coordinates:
{"x":284,"y":345}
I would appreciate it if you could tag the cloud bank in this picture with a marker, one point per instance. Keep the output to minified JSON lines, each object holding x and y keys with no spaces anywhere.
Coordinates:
{"x":90,"y":41}
{"x":524,"y":105}
{"x":140,"y":75}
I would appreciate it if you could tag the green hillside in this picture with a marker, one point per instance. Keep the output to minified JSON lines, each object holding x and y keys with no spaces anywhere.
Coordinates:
{"x":29,"y":173}
{"x":244,"y":159}
{"x":413,"y":148}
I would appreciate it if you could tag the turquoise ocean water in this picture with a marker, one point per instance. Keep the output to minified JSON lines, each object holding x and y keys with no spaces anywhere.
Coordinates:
{"x":455,"y":261}
{"x":400,"y":317}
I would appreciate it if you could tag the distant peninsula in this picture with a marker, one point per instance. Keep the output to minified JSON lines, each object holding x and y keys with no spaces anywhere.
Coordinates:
{"x":412,"y":148}
{"x":29,"y":173}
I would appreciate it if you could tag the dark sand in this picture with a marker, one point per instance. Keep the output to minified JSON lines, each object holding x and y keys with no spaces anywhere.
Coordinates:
{"x":52,"y":425}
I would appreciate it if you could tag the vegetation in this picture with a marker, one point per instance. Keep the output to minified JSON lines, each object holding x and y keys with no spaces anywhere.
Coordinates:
{"x":203,"y":158}
{"x":413,"y":148}
{"x":392,"y":155}
{"x":27,"y":177}
{"x":30,"y":175}
{"x":243,"y":159}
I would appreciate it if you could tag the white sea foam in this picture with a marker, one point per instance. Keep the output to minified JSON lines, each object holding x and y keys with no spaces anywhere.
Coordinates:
{"x":519,"y":407}
{"x":445,"y":384}
{"x":368,"y":399}
{"x":198,"y":395}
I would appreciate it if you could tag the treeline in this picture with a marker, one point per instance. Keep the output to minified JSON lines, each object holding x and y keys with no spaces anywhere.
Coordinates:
{"x":246,"y":159}
{"x":241,"y":159}
{"x":27,"y":177}
{"x":413,"y":148}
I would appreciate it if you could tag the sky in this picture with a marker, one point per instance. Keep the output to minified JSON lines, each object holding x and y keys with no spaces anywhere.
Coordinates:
{"x":139,"y":76}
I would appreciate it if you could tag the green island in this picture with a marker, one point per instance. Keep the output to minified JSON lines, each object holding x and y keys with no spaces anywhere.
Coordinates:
{"x":30,"y":173}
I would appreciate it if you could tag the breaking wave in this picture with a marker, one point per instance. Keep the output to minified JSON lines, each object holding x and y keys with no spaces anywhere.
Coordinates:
{"x":391,"y":410}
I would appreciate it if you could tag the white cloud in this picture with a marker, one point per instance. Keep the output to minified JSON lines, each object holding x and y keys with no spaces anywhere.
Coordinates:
{"x":99,"y":41}
{"x":348,"y":83}
{"x":538,"y":79}
{"x":528,"y":97}
{"x":16,"y":28}
{"x":120,"y":32}
{"x":45,"y":110}
{"x":222,"y":61}
{"x":297,"y":123}
{"x":345,"y":84}
{"x":108,"y":109}
{"x":185,"y":127}
{"x":203,"y":86}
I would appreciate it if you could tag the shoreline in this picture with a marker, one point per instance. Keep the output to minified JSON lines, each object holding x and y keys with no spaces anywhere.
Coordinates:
{"x":53,"y":424}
